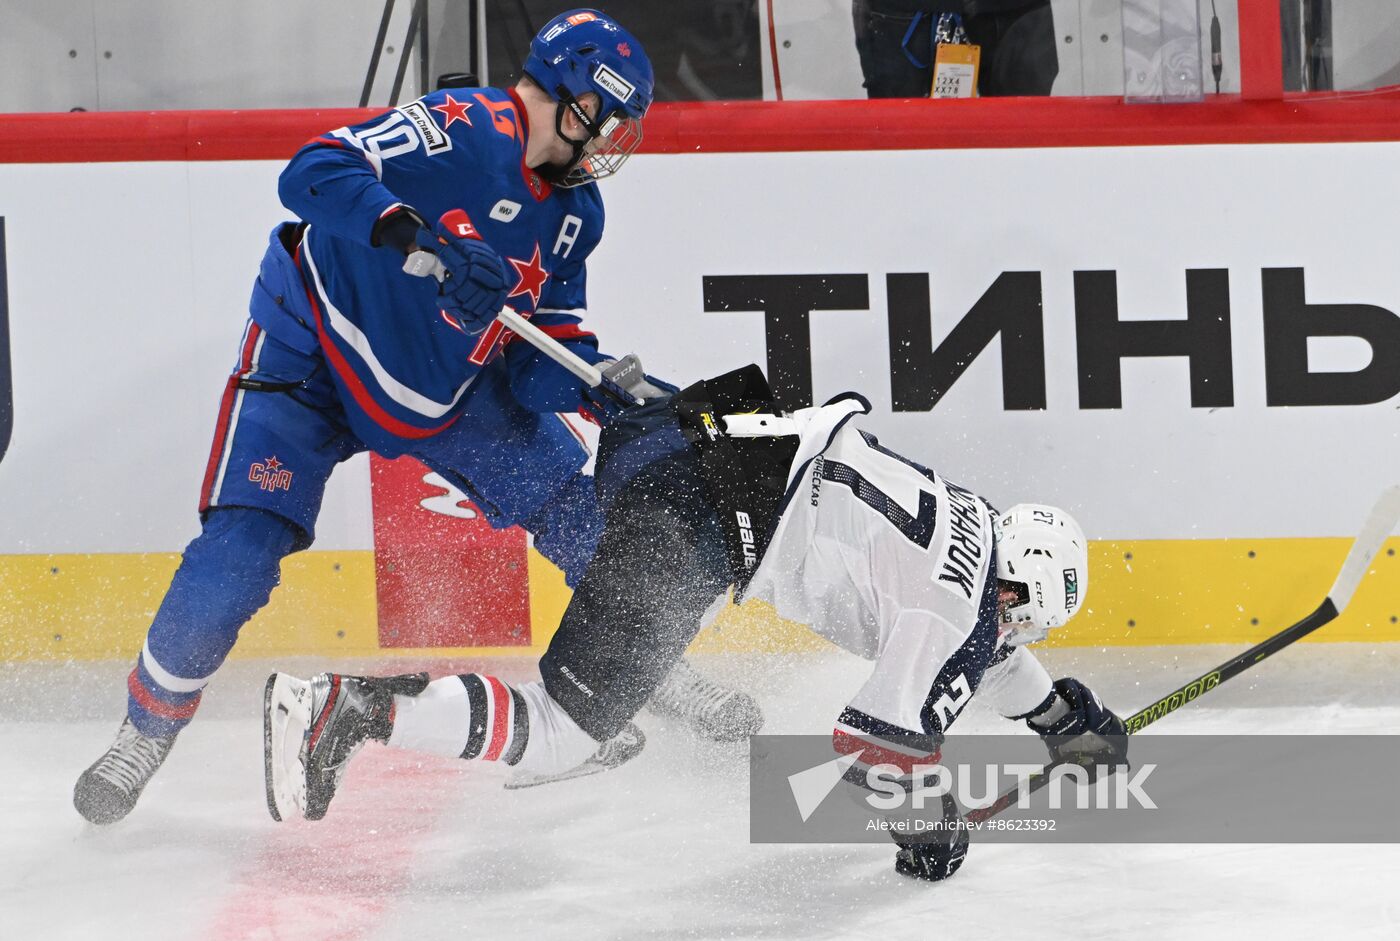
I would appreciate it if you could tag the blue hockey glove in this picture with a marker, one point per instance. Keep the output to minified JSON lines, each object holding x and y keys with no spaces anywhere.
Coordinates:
{"x":601,"y":405}
{"x":1078,"y":728}
{"x":473,"y":278}
{"x":623,"y":383}
{"x":938,"y":857}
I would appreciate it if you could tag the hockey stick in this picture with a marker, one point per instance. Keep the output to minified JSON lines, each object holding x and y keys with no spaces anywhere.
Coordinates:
{"x":612,"y":380}
{"x":1379,"y":524}
{"x":617,"y":380}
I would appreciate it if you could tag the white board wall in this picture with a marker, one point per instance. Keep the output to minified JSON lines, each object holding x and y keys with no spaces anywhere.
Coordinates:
{"x":128,"y":285}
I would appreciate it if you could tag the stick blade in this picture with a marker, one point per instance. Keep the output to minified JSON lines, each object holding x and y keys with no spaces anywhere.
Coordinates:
{"x":1380,"y":523}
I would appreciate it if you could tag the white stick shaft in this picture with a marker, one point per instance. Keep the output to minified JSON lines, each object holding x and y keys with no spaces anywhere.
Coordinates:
{"x":550,"y":347}
{"x":1378,"y":526}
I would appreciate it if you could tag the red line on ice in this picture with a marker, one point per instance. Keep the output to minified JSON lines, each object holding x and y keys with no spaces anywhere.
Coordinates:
{"x":338,"y":876}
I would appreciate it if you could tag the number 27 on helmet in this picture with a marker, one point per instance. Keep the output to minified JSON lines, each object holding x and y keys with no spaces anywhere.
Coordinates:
{"x":1043,"y":562}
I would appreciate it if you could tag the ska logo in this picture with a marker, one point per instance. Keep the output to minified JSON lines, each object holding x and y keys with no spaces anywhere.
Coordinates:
{"x":7,"y":408}
{"x":270,"y":475}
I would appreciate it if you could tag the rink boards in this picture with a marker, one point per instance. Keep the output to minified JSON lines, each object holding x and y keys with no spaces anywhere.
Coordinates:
{"x":1194,"y":347}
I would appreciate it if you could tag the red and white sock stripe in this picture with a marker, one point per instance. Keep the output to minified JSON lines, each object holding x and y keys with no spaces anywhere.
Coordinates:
{"x":467,"y":716}
{"x":500,"y":719}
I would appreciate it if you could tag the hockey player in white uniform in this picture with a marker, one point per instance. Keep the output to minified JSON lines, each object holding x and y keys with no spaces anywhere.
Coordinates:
{"x":712,"y":492}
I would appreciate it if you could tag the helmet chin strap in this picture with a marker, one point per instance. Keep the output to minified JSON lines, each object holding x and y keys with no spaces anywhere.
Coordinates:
{"x":556,"y":172}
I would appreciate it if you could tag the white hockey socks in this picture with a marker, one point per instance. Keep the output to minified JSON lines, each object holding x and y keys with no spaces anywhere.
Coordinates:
{"x":555,"y":743}
{"x":469,"y":716}
{"x":477,"y":716}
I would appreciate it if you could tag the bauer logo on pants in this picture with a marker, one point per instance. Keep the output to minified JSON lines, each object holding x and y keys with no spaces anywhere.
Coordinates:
{"x":7,"y":409}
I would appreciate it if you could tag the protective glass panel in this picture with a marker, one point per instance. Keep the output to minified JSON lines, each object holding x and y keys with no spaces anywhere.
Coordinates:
{"x":1161,"y":51}
{"x":1340,"y":46}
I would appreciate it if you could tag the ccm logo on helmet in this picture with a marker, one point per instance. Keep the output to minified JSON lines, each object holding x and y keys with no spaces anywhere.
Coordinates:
{"x":614,"y":84}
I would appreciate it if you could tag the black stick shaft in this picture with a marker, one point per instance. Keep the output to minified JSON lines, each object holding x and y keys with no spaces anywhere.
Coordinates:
{"x":1176,"y":699}
{"x":1233,"y":667}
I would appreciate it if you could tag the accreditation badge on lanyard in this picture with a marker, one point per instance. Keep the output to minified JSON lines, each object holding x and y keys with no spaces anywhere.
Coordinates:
{"x":955,"y":60}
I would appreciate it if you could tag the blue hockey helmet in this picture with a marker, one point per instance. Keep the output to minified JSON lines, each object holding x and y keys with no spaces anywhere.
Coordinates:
{"x":586,"y":51}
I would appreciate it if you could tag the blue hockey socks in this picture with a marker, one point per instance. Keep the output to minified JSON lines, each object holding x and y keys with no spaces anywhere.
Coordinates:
{"x":226,"y":575}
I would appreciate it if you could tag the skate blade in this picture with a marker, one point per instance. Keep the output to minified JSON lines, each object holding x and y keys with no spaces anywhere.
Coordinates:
{"x":614,"y":753}
{"x":286,"y":719}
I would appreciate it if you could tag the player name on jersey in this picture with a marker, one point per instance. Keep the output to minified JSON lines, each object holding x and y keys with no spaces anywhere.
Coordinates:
{"x":963,"y":558}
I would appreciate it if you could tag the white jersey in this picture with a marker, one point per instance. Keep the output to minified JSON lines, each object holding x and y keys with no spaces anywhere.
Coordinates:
{"x":892,"y":562}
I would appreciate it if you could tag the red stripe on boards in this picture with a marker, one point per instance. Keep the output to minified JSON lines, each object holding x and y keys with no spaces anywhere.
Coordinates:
{"x":758,"y":126}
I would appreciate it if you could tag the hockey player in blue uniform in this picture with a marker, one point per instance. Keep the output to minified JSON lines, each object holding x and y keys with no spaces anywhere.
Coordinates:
{"x":713,"y":489}
{"x":372,"y":327}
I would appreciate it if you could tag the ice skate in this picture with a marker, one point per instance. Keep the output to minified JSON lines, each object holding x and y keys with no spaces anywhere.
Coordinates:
{"x":616,"y":751}
{"x":108,"y":790}
{"x":312,"y":728}
{"x":715,"y":711}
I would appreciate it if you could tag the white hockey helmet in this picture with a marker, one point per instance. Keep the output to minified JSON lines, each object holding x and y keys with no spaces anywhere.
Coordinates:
{"x":1043,"y":557}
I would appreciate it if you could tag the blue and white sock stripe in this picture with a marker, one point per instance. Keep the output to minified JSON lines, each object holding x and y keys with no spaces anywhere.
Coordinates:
{"x":162,"y":680}
{"x":153,"y":705}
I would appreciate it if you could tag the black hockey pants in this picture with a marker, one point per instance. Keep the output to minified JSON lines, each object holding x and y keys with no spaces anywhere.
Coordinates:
{"x":659,"y":565}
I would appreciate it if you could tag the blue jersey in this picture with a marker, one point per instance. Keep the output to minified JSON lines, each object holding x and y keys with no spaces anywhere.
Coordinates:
{"x":407,"y":370}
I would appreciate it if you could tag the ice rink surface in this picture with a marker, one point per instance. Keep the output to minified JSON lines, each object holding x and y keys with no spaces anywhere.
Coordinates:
{"x":423,"y":848}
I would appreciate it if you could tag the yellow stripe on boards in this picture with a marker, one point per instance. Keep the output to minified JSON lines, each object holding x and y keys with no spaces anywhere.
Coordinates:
{"x":1226,"y":591}
{"x":94,"y":607}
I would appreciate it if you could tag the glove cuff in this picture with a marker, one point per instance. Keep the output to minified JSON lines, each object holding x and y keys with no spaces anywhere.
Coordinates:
{"x":397,"y":227}
{"x":1049,"y":713}
{"x":1045,"y":704}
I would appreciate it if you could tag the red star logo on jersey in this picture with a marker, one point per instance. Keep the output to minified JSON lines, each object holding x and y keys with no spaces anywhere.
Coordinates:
{"x":455,"y":111}
{"x":273,"y":464}
{"x":531,"y":277}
